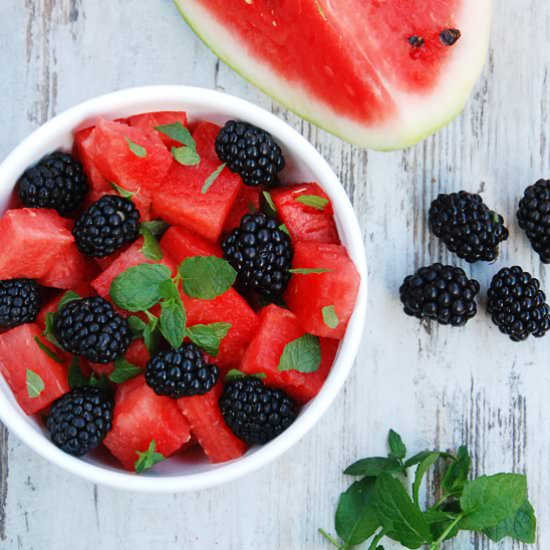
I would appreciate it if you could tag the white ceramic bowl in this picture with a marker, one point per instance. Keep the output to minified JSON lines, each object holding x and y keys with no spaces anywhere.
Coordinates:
{"x":304,"y":163}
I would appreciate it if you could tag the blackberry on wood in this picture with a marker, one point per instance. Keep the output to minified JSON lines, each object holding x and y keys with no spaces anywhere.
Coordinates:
{"x":534,"y":217}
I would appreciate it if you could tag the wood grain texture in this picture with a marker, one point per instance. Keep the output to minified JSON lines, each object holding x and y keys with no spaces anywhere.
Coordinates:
{"x":437,"y":386}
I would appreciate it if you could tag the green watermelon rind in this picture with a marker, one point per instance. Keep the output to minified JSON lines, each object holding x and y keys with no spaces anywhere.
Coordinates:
{"x":405,"y":140}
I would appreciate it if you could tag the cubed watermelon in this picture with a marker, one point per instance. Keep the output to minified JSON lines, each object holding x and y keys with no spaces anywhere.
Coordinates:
{"x":141,"y":416}
{"x":304,"y":222}
{"x":32,"y":241}
{"x":180,"y":200}
{"x":278,"y":327}
{"x":108,"y":145}
{"x":307,"y":295}
{"x":129,"y":258}
{"x":95,"y":178}
{"x":247,"y":201}
{"x":209,"y":428}
{"x":182,"y":243}
{"x":149,"y":121}
{"x":20,"y":353}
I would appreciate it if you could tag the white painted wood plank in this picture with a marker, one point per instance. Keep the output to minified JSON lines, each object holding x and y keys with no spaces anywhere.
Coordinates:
{"x":439,"y":387}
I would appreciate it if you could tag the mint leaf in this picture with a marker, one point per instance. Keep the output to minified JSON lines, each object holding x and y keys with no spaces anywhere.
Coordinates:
{"x":156,"y":227}
{"x":186,"y":156}
{"x":208,"y":337}
{"x":172,"y":321}
{"x":401,"y":519}
{"x":76,"y":378}
{"x":137,"y":326}
{"x":425,"y":464}
{"x":488,"y":500}
{"x":356,"y":518}
{"x":396,"y":445}
{"x":150,"y":336}
{"x":520,"y":526}
{"x":284,"y":229}
{"x":206,"y":277}
{"x":373,"y":467}
{"x":124,"y":370}
{"x":235,"y":374}
{"x":49,"y":330}
{"x":48,"y":351}
{"x":419,"y":457}
{"x":302,"y":354}
{"x":148,"y":458}
{"x":329,"y":317}
{"x":441,"y":523}
{"x":124,"y":193}
{"x":457,"y":473}
{"x":178,"y":132}
{"x":309,"y":270}
{"x":212,"y":178}
{"x":35,"y":384}
{"x":138,"y":150}
{"x":151,"y":247}
{"x":99,"y":382}
{"x":271,"y":208}
{"x":315,"y":201}
{"x":169,"y":291}
{"x":69,"y":296}
{"x":137,"y":288}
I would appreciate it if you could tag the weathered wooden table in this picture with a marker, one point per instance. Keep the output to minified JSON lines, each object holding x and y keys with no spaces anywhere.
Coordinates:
{"x":437,"y":386}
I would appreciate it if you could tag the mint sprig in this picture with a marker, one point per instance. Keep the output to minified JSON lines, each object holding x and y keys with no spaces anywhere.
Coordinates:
{"x":380,"y":503}
{"x":148,"y":458}
{"x":208,"y":337}
{"x":302,"y":354}
{"x":186,"y":154}
{"x":151,"y":248}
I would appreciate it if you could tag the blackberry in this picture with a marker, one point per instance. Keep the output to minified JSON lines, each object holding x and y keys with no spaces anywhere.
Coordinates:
{"x":467,"y":226}
{"x":181,"y":372}
{"x":90,"y":327}
{"x":80,"y":420}
{"x":255,"y":413}
{"x":517,"y":304}
{"x":57,"y":181}
{"x":260,"y":253}
{"x":250,"y":152}
{"x":107,"y":225}
{"x":19,"y":302}
{"x":534,"y":217}
{"x":440,"y":292}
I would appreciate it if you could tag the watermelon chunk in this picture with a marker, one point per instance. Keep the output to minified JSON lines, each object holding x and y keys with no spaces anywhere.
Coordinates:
{"x":180,"y":200}
{"x":352,"y":66}
{"x":278,"y":327}
{"x":32,"y":241}
{"x":108,"y":146}
{"x":141,"y":416}
{"x":307,"y":295}
{"x":19,"y":353}
{"x":95,"y":178}
{"x":247,"y":201}
{"x":149,"y":121}
{"x":209,"y":428}
{"x":305,"y":223}
{"x":182,"y":243}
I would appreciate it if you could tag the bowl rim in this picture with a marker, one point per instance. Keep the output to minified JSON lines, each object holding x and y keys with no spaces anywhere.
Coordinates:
{"x":158,"y":98}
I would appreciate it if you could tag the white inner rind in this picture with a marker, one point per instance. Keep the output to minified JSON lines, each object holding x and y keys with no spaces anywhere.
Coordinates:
{"x":416,"y":116}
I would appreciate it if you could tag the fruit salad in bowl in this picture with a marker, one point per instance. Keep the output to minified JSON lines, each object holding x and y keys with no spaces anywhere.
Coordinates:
{"x":182,"y":288}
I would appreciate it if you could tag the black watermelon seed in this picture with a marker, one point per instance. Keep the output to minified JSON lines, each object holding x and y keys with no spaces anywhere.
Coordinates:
{"x":450,"y":36}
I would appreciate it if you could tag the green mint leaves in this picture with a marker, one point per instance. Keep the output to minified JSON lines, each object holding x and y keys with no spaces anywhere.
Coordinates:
{"x":147,"y":459}
{"x":314,"y":201}
{"x":48,"y":351}
{"x":35,"y":384}
{"x":380,"y":503}
{"x":124,"y":193}
{"x":124,"y":371}
{"x":208,"y":337}
{"x":270,"y":205}
{"x":172,"y":320}
{"x":137,"y":149}
{"x":212,"y":178}
{"x":186,"y":154}
{"x":235,"y":374}
{"x":151,"y":247}
{"x":206,"y":277}
{"x":329,"y":316}
{"x":302,"y":354}
{"x":309,"y":270}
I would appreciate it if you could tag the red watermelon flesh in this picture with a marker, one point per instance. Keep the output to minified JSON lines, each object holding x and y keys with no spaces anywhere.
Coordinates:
{"x":150,"y":121}
{"x":209,"y":428}
{"x":32,"y":242}
{"x":305,"y":223}
{"x":183,"y":244}
{"x":95,"y":178}
{"x":278,"y":327}
{"x":377,"y":73}
{"x":307,"y":295}
{"x":141,"y":416}
{"x":247,"y":201}
{"x":180,"y":200}
{"x":109,"y":148}
{"x":19,"y":352}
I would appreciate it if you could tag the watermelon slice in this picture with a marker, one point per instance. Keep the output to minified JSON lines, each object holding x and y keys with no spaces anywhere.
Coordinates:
{"x":307,"y":295}
{"x":278,"y":327}
{"x":209,"y":428}
{"x":140,"y":416}
{"x":95,"y":178}
{"x":183,"y":243}
{"x":149,"y":121}
{"x":304,"y":221}
{"x":32,"y":241}
{"x":380,"y":74}
{"x":181,"y":200}
{"x":19,"y":355}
